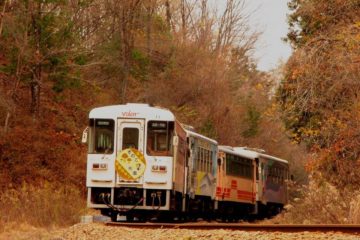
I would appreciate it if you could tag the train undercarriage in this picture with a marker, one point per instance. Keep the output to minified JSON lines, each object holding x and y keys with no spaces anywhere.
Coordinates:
{"x":136,"y":204}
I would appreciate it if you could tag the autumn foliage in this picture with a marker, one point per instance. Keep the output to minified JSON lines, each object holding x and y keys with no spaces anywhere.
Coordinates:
{"x":319,"y":95}
{"x":59,"y":59}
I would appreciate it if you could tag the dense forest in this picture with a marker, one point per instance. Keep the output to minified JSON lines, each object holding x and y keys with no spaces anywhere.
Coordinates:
{"x":320,"y":105}
{"x":61,"y":58}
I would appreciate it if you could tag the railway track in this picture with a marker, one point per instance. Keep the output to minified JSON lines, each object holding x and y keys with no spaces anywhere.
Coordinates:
{"x":345,"y":228}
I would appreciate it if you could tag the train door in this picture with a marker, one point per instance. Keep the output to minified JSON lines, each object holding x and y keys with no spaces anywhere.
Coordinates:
{"x":130,"y":134}
{"x":191,"y":168}
{"x":220,"y":175}
{"x":257,"y":180}
{"x":260,"y":180}
{"x":180,"y":151}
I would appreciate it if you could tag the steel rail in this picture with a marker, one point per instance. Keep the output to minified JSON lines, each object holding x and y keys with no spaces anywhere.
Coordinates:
{"x":349,"y":228}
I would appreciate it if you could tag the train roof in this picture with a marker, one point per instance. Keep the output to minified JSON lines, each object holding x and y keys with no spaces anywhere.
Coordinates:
{"x":245,"y":153}
{"x":273,"y":158}
{"x":248,"y":153}
{"x":132,"y":110}
{"x":191,"y":133}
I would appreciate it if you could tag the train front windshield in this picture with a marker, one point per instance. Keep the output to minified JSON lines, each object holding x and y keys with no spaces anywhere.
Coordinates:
{"x":159,"y":139}
{"x":101,"y":140}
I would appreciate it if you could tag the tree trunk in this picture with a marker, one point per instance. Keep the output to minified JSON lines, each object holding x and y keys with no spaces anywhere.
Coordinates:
{"x":148,"y":29}
{"x":125,"y":52}
{"x":6,"y":125}
{"x":128,"y":26}
{"x":168,"y":14}
{"x":183,"y":19}
{"x":35,"y":98}
{"x":2,"y":16}
{"x":37,"y":74}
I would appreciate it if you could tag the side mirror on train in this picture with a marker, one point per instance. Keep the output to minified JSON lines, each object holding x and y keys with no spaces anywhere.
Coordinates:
{"x":175,"y":141}
{"x":85,"y":135}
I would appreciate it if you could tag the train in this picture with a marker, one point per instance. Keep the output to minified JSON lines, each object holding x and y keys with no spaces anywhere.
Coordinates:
{"x":144,"y":164}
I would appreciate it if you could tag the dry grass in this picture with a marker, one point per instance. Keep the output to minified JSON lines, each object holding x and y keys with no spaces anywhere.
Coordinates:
{"x":320,"y":203}
{"x":44,"y":206}
{"x":354,"y":214}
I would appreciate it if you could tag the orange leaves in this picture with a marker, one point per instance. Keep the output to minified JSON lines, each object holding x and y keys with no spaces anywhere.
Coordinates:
{"x":296,"y":73}
{"x":321,"y":103}
{"x":34,"y":150}
{"x":339,"y":146}
{"x":339,"y":158}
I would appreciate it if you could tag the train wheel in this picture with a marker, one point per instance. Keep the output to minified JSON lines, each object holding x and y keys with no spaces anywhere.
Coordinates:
{"x":113,"y":216}
{"x":143,"y":217}
{"x":182,"y":217}
{"x":230,"y":213}
{"x":105,"y":212}
{"x":129,"y":218}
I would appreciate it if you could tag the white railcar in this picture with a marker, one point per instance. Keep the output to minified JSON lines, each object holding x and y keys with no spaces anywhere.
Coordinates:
{"x":130,"y":158}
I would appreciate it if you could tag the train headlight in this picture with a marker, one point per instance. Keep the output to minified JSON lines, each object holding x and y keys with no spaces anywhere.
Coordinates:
{"x":158,"y":168}
{"x":100,"y":166}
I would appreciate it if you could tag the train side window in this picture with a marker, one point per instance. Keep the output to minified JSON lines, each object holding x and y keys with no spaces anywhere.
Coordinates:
{"x":238,"y":166}
{"x":207,"y":161}
{"x":101,"y":140}
{"x":206,"y":169}
{"x":257,"y":168}
{"x":274,"y":175}
{"x":223,"y":164}
{"x":243,"y":167}
{"x":198,"y":159}
{"x":210,"y":161}
{"x":269,"y":174}
{"x":219,"y":162}
{"x":204,"y":160}
{"x":279,"y":175}
{"x":246,"y":168}
{"x":230,"y":165}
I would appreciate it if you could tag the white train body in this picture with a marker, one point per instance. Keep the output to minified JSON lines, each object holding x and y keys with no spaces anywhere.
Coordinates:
{"x":143,"y":163}
{"x":115,"y":128}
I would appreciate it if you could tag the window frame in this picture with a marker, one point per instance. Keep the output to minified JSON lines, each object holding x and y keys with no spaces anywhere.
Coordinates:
{"x":123,"y":134}
{"x":93,"y":134}
{"x":169,"y":135}
{"x":243,"y":169}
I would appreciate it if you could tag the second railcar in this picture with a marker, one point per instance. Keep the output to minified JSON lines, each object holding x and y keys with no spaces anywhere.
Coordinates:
{"x":235,"y":190}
